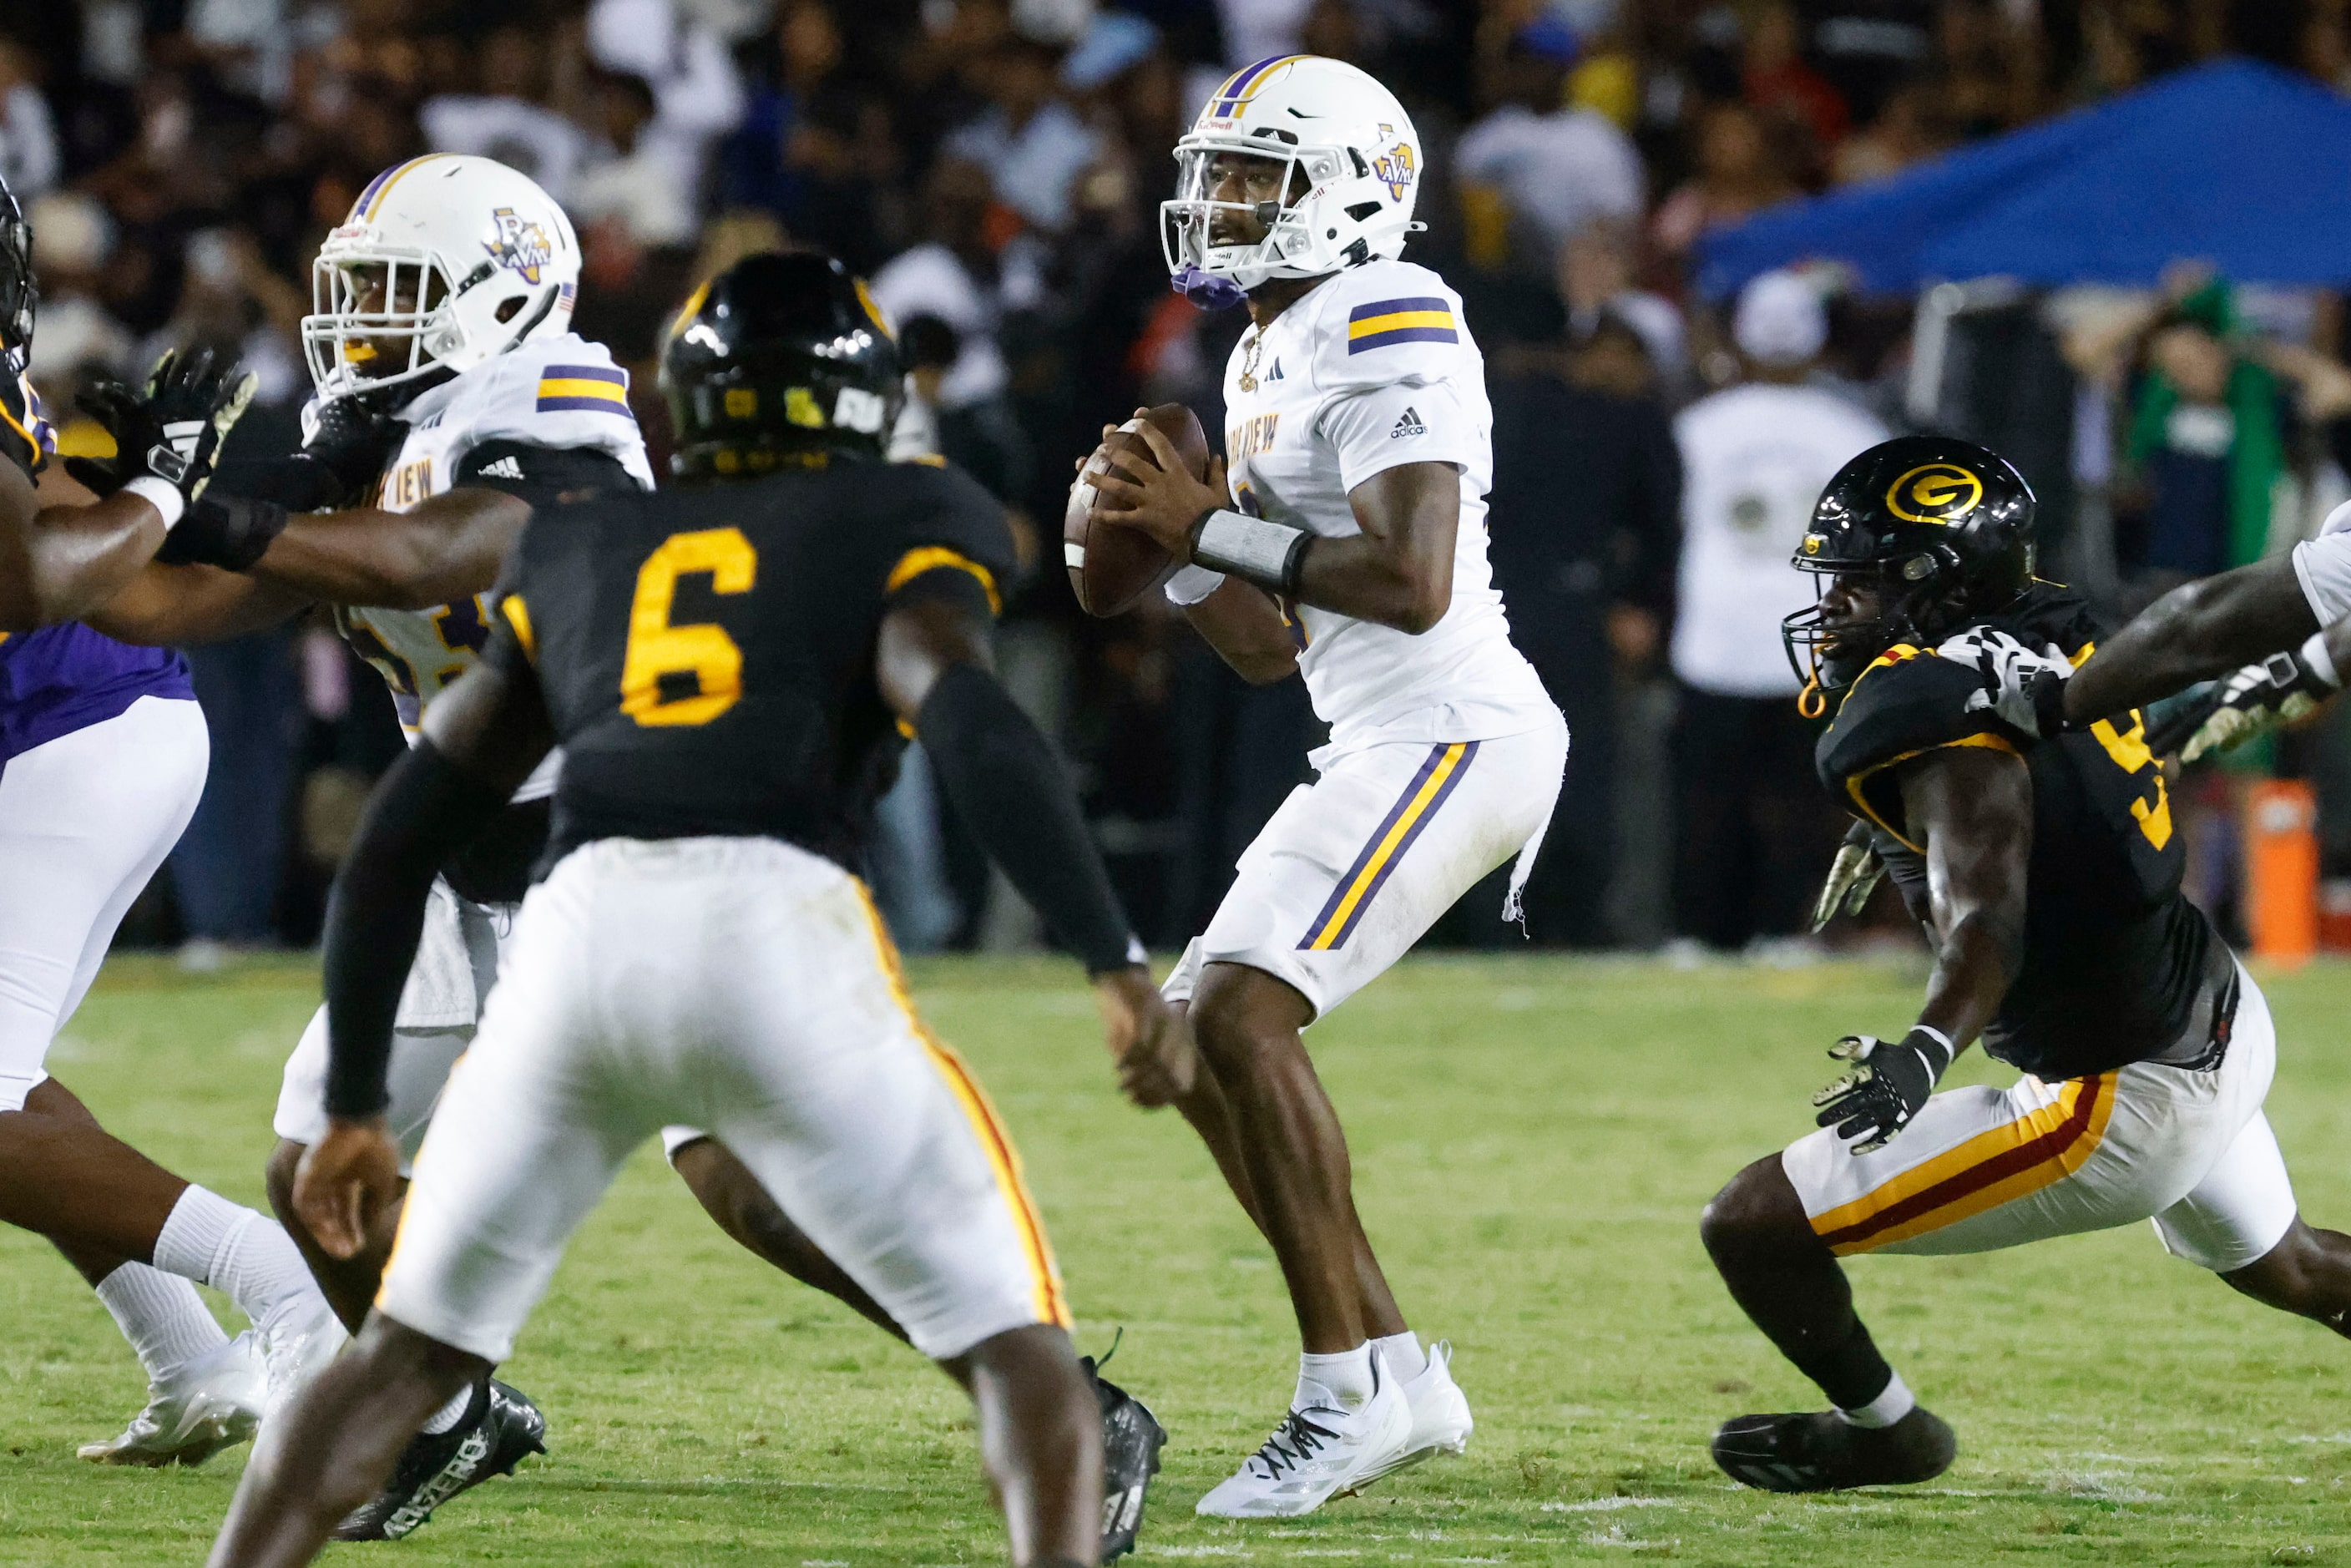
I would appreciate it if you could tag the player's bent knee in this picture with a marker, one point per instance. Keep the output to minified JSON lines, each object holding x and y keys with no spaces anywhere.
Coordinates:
{"x":2290,"y":1276}
{"x":1755,"y":1215}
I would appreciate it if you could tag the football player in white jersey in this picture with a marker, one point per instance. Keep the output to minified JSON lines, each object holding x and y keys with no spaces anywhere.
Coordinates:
{"x":449,"y":386}
{"x":1350,"y":549}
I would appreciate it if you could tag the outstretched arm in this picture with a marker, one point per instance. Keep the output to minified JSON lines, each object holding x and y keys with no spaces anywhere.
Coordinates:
{"x":936,"y":671}
{"x":59,"y":562}
{"x":2194,"y":632}
{"x":1972,"y":806}
{"x":445,"y":550}
{"x":482,"y":738}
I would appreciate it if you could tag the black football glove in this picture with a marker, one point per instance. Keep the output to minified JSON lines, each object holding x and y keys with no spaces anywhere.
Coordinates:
{"x":350,"y":439}
{"x":228,"y":531}
{"x":171,"y":431}
{"x":2257,"y":699}
{"x":1889,"y":1081}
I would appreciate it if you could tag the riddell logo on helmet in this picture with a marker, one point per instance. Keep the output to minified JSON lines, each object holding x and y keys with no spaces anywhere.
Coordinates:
{"x":521,"y":245}
{"x":1395,"y":168}
{"x":1934,"y":493}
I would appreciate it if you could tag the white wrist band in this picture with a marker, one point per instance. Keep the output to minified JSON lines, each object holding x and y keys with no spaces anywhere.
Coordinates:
{"x":161,"y":494}
{"x":1191,"y":584}
{"x":2322,"y":663}
{"x":1254,"y":549}
{"x":1939,"y":1038}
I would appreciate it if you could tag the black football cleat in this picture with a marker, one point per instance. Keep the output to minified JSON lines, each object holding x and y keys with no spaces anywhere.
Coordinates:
{"x":1132,"y":1438}
{"x":1821,"y":1451}
{"x":500,"y":1429}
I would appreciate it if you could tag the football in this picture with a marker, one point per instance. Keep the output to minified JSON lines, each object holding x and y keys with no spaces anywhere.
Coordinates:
{"x":1111,"y":568}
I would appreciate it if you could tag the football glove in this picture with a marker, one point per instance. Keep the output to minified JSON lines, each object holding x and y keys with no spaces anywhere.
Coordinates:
{"x":2259,"y":698}
{"x":350,"y":439}
{"x":173,"y":431}
{"x":2022,"y":687}
{"x":1854,"y":876}
{"x":1889,"y":1082}
{"x":227,"y":531}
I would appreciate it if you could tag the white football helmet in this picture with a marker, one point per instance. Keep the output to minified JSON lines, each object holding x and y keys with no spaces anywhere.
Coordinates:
{"x":1345,"y":138}
{"x":474,"y":258}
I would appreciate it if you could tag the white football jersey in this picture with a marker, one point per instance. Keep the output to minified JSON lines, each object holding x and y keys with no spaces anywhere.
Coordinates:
{"x":563,"y":392}
{"x":1371,"y":370}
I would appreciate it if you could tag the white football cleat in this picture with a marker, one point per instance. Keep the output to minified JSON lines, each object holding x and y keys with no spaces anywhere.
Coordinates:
{"x":1440,"y":1413}
{"x":1317,"y":1452}
{"x":296,"y":1349}
{"x":211,"y":1404}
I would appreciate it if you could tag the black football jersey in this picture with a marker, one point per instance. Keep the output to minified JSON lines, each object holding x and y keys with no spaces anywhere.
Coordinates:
{"x":2114,"y":955}
{"x":708,"y":653}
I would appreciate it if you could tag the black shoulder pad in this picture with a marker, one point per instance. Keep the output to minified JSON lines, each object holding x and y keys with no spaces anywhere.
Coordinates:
{"x":1906,"y":702}
{"x":943,"y":507}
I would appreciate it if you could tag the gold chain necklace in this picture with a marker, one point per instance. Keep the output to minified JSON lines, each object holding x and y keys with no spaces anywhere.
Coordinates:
{"x":1248,"y":359}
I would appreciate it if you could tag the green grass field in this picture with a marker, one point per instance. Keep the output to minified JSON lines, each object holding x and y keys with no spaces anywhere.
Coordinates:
{"x":1532,"y":1142}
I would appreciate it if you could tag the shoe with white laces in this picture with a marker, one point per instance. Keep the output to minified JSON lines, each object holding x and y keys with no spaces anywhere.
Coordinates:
{"x":296,"y":1349}
{"x":211,"y":1404}
{"x":1440,"y":1415}
{"x":1319,"y":1451}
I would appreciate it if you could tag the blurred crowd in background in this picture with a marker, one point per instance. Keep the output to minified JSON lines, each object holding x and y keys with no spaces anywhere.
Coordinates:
{"x":993,"y":166}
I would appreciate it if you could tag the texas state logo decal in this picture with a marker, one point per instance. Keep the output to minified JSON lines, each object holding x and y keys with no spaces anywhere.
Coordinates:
{"x":521,"y":244}
{"x":1395,"y":168}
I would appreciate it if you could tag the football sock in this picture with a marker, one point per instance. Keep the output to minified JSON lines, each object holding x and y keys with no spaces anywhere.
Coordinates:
{"x":161,"y":1316}
{"x":449,"y":1414}
{"x":1401,"y":1354}
{"x":1888,"y":1408}
{"x":1344,"y":1380}
{"x":242,"y":1254}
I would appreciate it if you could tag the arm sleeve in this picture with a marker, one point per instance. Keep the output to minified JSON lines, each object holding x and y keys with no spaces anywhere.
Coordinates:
{"x":425,"y":810}
{"x":1011,"y":789}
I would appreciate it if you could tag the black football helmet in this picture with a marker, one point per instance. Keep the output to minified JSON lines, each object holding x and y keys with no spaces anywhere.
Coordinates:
{"x":1944,"y":527}
{"x":781,"y":361}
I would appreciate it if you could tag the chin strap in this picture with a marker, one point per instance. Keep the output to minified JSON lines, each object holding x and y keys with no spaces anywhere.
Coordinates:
{"x":1812,"y":702}
{"x":1206,"y":290}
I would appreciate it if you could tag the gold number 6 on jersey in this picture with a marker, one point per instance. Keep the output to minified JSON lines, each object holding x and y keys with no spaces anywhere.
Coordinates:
{"x":660,"y":654}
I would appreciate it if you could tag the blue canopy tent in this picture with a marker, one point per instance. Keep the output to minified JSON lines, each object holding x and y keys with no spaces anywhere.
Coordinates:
{"x":2235,"y":162}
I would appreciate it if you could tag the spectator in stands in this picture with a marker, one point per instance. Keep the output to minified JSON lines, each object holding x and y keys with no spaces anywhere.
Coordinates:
{"x":1535,"y":171}
{"x":1776,"y":82}
{"x":815,"y":148}
{"x":1585,"y":516}
{"x":637,"y":183}
{"x":1596,"y":280}
{"x":1740,"y":173}
{"x":506,"y":117}
{"x":1030,"y":142}
{"x":1754,"y":829}
{"x":955,"y":276}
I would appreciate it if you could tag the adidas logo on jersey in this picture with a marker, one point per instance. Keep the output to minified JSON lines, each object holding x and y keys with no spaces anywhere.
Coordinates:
{"x":1275,"y":375}
{"x":1410,"y":426}
{"x":503,"y":468}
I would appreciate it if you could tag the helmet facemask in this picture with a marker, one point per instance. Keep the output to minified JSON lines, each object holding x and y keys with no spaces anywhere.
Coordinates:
{"x":1188,"y":224}
{"x":1910,"y":608}
{"x":351,"y":349}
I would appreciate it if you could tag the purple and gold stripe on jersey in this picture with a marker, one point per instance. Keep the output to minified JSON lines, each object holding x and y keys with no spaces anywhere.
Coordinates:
{"x":1242,"y":85}
{"x":595,"y":389}
{"x":1413,"y":808}
{"x":1423,"y":320}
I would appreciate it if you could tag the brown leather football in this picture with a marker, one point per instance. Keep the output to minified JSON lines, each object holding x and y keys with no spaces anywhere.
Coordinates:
{"x":1111,"y":568}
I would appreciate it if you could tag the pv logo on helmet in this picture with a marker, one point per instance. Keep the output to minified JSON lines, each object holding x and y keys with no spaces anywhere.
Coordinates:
{"x":1395,"y":168}
{"x":1934,"y":493}
{"x":521,"y":245}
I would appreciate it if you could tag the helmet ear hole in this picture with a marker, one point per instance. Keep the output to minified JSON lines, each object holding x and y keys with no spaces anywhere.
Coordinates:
{"x":508,"y":309}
